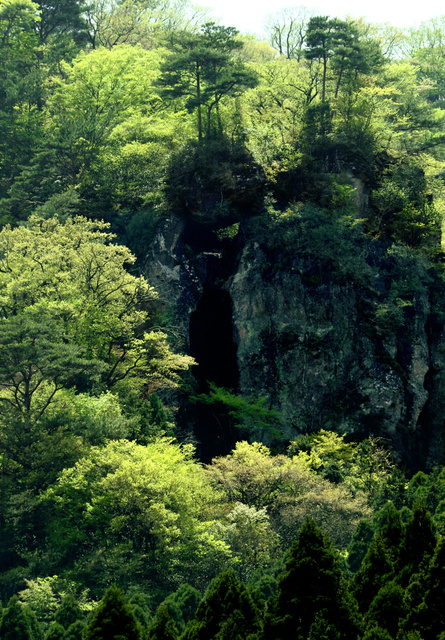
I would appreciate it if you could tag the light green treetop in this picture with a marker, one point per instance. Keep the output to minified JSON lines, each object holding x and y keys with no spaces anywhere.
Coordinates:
{"x":69,"y":307}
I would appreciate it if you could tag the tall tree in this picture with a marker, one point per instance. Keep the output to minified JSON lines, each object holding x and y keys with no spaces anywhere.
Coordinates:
{"x":20,"y":88}
{"x":60,"y":18}
{"x":341,"y":46}
{"x":376,"y":569}
{"x":427,"y":49}
{"x":418,"y":543}
{"x":286,"y":31}
{"x":312,"y":585}
{"x":98,"y":91}
{"x":227,"y":610}
{"x":113,"y":619}
{"x":428,"y":616}
{"x":202,"y":68}
{"x":68,"y":306}
{"x":387,"y":608}
{"x":320,"y":44}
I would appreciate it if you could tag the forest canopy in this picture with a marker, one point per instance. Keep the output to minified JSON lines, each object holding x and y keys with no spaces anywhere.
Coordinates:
{"x":315,"y":156}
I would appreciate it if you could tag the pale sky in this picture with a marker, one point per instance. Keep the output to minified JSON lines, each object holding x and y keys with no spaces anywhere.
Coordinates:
{"x":248,"y":15}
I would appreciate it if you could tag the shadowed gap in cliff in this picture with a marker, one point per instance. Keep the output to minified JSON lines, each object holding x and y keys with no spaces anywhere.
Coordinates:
{"x":213,"y":347}
{"x":211,"y":341}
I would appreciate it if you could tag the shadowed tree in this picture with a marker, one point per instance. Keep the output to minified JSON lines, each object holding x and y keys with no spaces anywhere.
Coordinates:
{"x":113,"y":619}
{"x":55,"y":632}
{"x":375,"y":569}
{"x":68,"y":612}
{"x":312,"y":586}
{"x":18,"y":622}
{"x":428,"y":616}
{"x":227,"y":612}
{"x":59,"y":18}
{"x":163,"y":626}
{"x":418,"y":544}
{"x":388,"y":607}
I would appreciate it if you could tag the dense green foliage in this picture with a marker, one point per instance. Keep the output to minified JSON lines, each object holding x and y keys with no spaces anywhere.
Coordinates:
{"x":326,"y":144}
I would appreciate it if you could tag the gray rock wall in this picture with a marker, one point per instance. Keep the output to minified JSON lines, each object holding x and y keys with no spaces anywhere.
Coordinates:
{"x":311,"y":350}
{"x":307,"y":349}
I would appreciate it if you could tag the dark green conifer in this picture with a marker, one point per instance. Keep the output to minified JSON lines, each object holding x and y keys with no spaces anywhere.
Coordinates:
{"x":388,"y":607}
{"x":55,"y":632}
{"x":391,"y":530}
{"x":141,"y":605}
{"x":322,"y":630}
{"x":359,"y":544}
{"x":375,"y":570}
{"x":182,"y":605}
{"x":19,"y":622}
{"x":313,"y":585}
{"x":68,"y":612}
{"x":227,"y":612}
{"x":75,"y":630}
{"x":418,"y":544}
{"x":113,"y":619}
{"x":428,"y":617}
{"x":141,"y":615}
{"x":163,"y":626}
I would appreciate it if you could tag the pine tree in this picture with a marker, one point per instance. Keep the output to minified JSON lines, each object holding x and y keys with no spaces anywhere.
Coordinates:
{"x":68,"y":612}
{"x":375,"y":570}
{"x":19,"y":622}
{"x":388,"y":607}
{"x":313,"y":585}
{"x":418,"y":544}
{"x":113,"y":619}
{"x":203,"y":69}
{"x":163,"y":626}
{"x":227,"y":612}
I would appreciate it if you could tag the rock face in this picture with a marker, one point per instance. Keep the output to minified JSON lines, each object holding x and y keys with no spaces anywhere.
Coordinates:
{"x":306,"y":349}
{"x":177,"y":278}
{"x":322,"y":352}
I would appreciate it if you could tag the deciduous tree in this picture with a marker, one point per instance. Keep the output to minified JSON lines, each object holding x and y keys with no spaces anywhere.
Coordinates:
{"x":286,"y":31}
{"x":152,"y":503}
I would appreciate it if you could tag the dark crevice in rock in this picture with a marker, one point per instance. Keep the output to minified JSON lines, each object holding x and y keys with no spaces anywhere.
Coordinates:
{"x":428,"y":441}
{"x":211,"y":338}
{"x":214,"y":349}
{"x":211,"y":341}
{"x":424,"y":436}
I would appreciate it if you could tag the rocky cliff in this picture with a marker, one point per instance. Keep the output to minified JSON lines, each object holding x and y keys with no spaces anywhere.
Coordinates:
{"x":347,"y":341}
